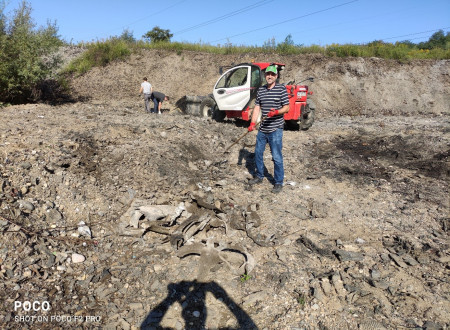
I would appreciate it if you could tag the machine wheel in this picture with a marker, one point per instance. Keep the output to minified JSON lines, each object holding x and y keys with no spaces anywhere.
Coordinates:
{"x":218,"y":115}
{"x":308,"y":117}
{"x":206,"y":107}
{"x":292,"y":125}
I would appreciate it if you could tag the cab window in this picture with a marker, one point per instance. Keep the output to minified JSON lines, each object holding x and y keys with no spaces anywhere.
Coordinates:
{"x":235,"y":78}
{"x":256,"y":77}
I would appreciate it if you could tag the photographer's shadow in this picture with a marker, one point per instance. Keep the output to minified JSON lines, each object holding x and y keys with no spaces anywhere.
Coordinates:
{"x":191,"y":295}
{"x":249,"y":158}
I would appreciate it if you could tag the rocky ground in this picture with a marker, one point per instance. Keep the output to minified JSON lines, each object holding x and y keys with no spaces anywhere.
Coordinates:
{"x":358,"y":238}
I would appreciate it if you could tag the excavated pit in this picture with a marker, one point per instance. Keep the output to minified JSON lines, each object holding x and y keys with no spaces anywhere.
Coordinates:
{"x":358,"y":238}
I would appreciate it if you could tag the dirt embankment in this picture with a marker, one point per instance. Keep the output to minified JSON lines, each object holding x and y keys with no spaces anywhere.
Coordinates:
{"x":358,"y":238}
{"x":355,"y":86}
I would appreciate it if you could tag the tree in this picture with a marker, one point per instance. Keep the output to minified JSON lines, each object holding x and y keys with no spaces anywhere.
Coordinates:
{"x":24,"y":50}
{"x":287,"y":46}
{"x":288,"y":41}
{"x":2,"y":20}
{"x":158,"y":34}
{"x":437,"y":40}
{"x":127,"y":36}
{"x":269,"y":44}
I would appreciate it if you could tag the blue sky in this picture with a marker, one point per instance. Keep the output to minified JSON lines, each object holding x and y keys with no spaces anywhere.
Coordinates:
{"x":250,"y":23}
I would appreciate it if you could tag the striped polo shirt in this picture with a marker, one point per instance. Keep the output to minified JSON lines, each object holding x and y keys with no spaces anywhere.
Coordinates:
{"x":268,"y":99}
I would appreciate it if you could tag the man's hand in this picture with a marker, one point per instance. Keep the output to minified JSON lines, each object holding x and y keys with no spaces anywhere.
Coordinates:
{"x":251,"y":127}
{"x":272,"y":113}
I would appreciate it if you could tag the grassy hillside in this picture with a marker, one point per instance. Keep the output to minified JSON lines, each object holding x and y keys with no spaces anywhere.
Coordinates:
{"x":101,"y":53}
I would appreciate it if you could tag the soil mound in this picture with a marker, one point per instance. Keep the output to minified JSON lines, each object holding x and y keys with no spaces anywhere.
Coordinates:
{"x":343,"y":86}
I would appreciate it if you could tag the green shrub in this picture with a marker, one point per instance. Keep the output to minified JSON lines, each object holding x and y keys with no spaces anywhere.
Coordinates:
{"x":100,"y":54}
{"x":24,"y":55}
{"x":313,"y":49}
{"x":348,"y":50}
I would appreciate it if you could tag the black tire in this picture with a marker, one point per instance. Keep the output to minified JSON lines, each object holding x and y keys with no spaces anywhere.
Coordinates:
{"x":206,"y":107}
{"x":292,"y":125}
{"x":218,"y":115}
{"x":308,"y":116}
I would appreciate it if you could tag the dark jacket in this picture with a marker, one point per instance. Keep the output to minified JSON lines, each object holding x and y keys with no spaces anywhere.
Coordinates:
{"x":159,"y":96}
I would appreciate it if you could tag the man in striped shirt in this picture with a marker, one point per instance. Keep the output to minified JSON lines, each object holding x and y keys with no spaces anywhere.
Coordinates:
{"x":272,"y":100}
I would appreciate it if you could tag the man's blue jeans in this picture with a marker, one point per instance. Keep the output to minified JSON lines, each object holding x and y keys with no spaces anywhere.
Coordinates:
{"x":155,"y":104}
{"x":275,"y":141}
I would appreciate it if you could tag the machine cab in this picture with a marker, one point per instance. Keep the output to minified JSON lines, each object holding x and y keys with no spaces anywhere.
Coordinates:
{"x":237,"y":86}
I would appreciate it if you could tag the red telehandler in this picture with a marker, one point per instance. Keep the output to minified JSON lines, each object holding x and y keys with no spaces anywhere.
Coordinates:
{"x":234,"y":95}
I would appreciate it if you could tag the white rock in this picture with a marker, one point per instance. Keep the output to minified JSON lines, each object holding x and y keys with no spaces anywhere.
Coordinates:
{"x":84,"y":230}
{"x":192,"y":166}
{"x":77,"y":258}
{"x":155,"y":212}
{"x":134,"y":219}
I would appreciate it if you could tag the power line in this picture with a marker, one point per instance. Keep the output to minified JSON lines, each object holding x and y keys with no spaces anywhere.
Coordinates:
{"x":288,"y":20}
{"x":301,"y":32}
{"x":153,"y":14}
{"x":418,"y":38}
{"x":220,"y":18}
{"x":412,"y":34}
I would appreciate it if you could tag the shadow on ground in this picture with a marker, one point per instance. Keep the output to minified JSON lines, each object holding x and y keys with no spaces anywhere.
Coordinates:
{"x":191,"y":295}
